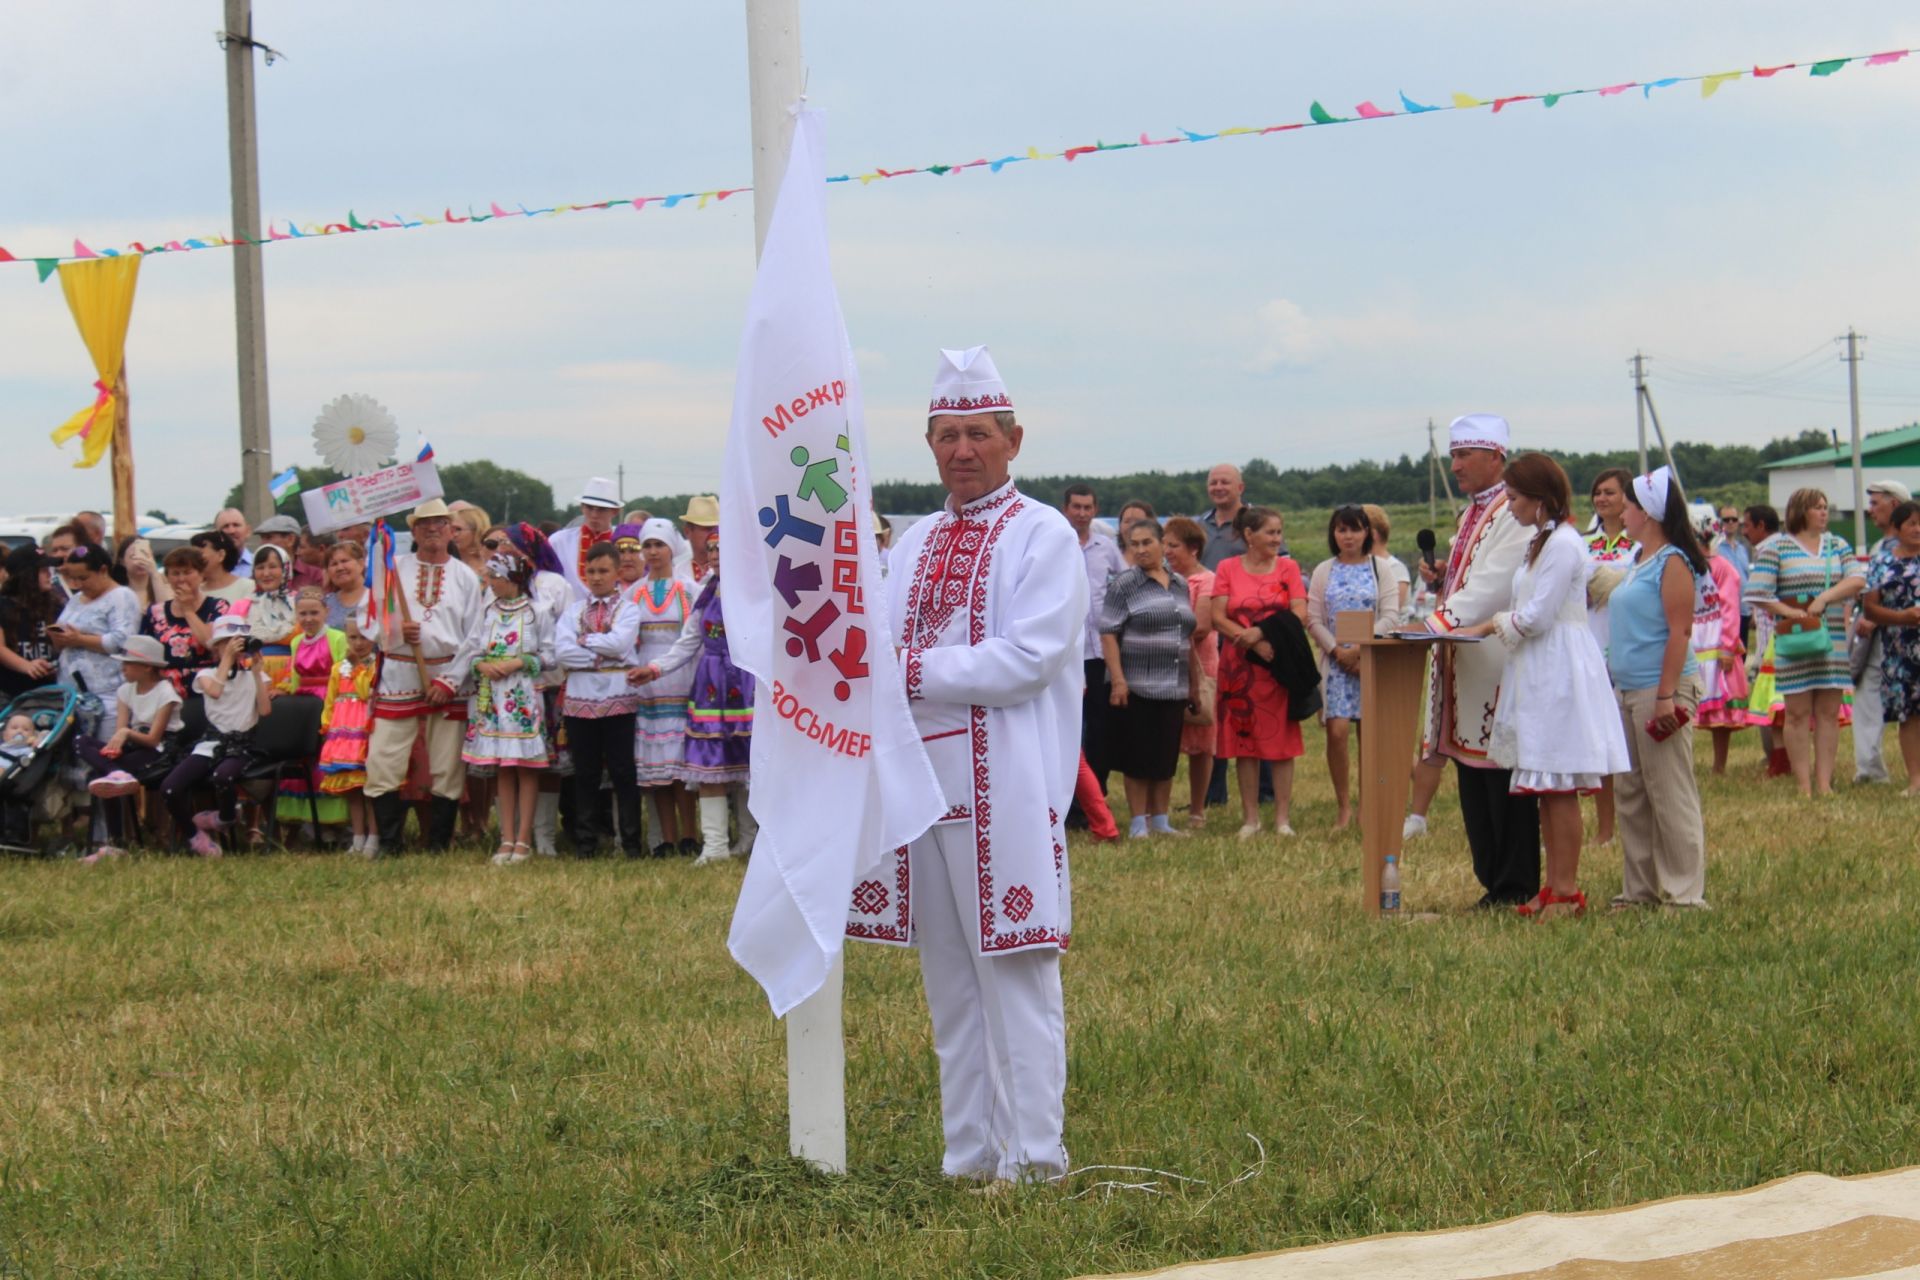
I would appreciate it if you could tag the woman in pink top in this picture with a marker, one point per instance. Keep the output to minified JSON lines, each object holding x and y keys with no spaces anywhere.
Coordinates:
{"x":1185,"y":540}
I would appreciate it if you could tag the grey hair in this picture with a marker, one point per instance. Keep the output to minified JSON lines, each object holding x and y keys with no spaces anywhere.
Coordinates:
{"x":1002,"y":419}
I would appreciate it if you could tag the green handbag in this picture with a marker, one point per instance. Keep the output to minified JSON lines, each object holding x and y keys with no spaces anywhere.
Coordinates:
{"x":1812,"y":640}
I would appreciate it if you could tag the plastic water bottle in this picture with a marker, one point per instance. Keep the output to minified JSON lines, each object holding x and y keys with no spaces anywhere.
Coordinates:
{"x":1390,"y":887}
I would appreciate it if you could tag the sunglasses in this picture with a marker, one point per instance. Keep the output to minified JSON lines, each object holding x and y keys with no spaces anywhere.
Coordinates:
{"x":493,"y":544}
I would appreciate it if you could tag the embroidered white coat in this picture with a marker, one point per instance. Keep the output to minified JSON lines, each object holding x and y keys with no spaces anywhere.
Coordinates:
{"x":989,"y":605}
{"x":1464,"y":691}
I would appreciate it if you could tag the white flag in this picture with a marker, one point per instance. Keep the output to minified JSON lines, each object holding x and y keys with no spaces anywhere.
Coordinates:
{"x":839,"y":775}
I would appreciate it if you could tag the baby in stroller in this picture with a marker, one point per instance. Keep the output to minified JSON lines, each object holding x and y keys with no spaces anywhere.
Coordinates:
{"x":19,"y":739}
{"x":34,"y":729}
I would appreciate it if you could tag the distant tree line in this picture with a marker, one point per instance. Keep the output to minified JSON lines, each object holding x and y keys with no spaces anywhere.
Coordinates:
{"x":1717,"y":472}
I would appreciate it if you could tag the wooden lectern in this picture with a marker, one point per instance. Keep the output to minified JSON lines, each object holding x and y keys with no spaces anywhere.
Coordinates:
{"x":1392,"y":677}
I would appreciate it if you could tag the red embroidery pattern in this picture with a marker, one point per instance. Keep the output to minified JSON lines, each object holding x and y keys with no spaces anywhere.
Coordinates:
{"x":971,"y":404}
{"x":900,"y":931}
{"x":1018,"y":904}
{"x":913,"y":675}
{"x":870,"y":897}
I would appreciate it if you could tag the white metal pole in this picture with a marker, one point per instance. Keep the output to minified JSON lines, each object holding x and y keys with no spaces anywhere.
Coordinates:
{"x":1640,"y":404}
{"x":816,"y":1041}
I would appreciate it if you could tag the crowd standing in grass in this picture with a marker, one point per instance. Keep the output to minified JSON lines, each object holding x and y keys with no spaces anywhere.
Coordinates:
{"x":576,"y":679}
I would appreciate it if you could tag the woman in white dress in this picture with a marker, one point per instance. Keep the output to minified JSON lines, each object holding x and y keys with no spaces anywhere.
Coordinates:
{"x":665,"y":598}
{"x":1557,"y":725}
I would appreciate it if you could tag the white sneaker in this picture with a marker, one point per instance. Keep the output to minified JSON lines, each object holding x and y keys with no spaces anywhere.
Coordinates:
{"x":1413,"y":828}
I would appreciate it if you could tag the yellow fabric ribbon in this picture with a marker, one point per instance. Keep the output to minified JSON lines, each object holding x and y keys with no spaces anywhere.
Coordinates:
{"x":100,"y":294}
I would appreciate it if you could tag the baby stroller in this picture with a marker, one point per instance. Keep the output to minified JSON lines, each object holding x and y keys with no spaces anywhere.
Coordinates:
{"x":30,"y":753}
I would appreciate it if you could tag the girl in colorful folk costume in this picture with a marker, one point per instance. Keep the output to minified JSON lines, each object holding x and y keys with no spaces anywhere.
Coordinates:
{"x":551,"y":592}
{"x":344,"y":721}
{"x":507,"y":649}
{"x":443,"y":599}
{"x":719,"y":719}
{"x":665,"y":600}
{"x":316,"y":649}
{"x":988,"y":602}
{"x":1556,"y":727}
{"x":270,"y":620}
{"x":595,"y":645}
{"x":1722,"y":658}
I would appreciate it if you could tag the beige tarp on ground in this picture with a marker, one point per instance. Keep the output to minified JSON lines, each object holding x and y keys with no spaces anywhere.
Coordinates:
{"x":1808,"y":1227}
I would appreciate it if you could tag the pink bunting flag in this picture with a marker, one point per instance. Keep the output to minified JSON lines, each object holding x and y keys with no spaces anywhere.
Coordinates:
{"x":1883,"y":59}
{"x":176,"y":247}
{"x":640,"y":202}
{"x":1612,"y":89}
{"x":274,"y":233}
{"x":81,"y":251}
{"x":1370,"y":112}
{"x":498,"y":212}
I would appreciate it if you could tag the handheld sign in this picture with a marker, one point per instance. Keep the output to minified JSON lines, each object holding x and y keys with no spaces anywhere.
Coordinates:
{"x":363,"y":499}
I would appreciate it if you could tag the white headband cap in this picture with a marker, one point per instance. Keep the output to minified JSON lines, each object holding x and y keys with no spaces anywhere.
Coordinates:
{"x":1653,"y":490}
{"x":966,"y":382}
{"x":1479,"y":431}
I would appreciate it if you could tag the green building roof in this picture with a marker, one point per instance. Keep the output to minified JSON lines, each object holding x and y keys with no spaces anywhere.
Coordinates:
{"x":1899,"y":447}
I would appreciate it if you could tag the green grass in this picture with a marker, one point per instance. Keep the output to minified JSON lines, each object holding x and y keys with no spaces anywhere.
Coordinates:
{"x":307,"y":1066}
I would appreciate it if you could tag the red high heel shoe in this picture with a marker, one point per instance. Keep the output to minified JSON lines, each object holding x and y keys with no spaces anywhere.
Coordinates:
{"x":1546,"y":899}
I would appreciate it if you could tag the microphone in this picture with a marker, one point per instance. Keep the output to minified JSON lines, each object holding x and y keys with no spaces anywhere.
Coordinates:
{"x":1424,"y":539}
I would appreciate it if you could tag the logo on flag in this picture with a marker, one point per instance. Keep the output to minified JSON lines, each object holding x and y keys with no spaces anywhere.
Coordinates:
{"x":839,"y":774}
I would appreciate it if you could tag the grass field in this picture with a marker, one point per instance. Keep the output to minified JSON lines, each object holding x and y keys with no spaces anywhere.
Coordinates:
{"x":305,"y":1066}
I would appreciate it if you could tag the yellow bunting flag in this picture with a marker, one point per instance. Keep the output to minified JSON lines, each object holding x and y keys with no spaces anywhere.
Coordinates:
{"x":100,"y":295}
{"x":1710,"y":85}
{"x":1466,"y":102}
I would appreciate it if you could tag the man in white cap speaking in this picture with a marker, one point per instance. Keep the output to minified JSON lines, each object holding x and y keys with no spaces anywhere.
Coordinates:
{"x":1503,"y":830}
{"x":599,"y":504}
{"x":443,"y":600}
{"x":987,"y":604}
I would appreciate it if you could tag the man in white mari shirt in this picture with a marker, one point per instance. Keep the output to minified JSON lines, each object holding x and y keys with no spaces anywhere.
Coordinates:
{"x":988,"y":603}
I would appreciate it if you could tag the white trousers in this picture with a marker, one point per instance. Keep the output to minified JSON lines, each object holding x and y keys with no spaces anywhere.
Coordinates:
{"x":1870,"y":717}
{"x":999,"y":1024}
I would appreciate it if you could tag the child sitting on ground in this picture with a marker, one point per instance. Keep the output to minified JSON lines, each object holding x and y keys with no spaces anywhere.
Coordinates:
{"x":236,"y":697}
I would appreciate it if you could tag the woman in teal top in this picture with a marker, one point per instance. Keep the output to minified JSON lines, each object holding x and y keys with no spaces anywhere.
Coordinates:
{"x":1803,"y":575}
{"x":1663,"y":846}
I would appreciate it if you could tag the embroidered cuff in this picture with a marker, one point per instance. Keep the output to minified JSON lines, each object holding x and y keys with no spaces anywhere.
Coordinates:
{"x":1439,"y":623}
{"x":1508,"y":631}
{"x":451,"y":690}
{"x":913,"y":675}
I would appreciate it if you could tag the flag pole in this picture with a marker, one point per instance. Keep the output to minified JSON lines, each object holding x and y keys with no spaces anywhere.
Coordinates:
{"x":816,"y":1042}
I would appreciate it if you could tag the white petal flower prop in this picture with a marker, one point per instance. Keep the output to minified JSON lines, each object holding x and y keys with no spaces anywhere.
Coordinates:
{"x":355,"y":435}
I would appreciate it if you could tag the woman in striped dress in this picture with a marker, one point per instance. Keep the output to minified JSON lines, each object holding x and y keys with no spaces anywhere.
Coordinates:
{"x":660,"y":727}
{"x":1804,"y":577}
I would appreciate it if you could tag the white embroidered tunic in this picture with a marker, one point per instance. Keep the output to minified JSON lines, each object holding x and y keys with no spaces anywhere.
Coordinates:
{"x":445,"y":599}
{"x":989,"y":605}
{"x":594,"y":642}
{"x":1464,"y":685}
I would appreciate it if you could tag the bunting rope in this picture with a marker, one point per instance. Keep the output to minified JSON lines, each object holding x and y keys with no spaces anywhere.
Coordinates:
{"x":1317,"y":117}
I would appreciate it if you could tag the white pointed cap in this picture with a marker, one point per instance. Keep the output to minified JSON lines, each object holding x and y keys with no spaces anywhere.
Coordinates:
{"x":966,"y":382}
{"x":1479,"y":431}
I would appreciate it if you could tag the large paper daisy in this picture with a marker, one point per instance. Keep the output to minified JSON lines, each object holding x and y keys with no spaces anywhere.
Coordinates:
{"x":355,"y":435}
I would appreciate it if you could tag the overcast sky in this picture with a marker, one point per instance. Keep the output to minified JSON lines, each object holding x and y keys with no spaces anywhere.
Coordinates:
{"x":1307,"y":297}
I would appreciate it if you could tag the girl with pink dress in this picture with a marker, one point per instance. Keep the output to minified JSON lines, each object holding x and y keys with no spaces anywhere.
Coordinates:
{"x":313,"y":649}
{"x":1722,"y":658}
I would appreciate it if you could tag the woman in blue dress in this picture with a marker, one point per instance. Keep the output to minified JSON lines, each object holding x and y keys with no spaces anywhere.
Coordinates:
{"x":1893,"y":603}
{"x":1348,"y":582}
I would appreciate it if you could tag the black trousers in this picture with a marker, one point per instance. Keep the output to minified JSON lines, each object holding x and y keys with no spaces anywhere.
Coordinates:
{"x":177,"y":790}
{"x":1503,"y":830}
{"x":603,"y":744}
{"x":1094,"y":715}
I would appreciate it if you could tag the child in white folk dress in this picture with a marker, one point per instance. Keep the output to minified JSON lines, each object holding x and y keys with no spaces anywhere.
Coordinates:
{"x":1557,"y":725}
{"x":510,"y":645}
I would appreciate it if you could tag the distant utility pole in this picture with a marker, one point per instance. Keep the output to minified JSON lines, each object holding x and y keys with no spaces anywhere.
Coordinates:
{"x":1852,"y":359}
{"x":621,"y":472}
{"x":1640,"y":404}
{"x":1435,"y":467}
{"x":249,"y":291}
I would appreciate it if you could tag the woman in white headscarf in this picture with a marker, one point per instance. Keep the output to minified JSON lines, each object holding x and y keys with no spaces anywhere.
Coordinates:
{"x":665,"y":597}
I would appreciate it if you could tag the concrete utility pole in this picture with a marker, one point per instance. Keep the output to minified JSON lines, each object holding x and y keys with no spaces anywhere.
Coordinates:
{"x":1852,"y":359}
{"x":249,"y":292}
{"x":816,"y":1042}
{"x":1640,"y":404}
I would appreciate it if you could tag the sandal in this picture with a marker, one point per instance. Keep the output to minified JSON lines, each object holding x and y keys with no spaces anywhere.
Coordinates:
{"x":503,"y":855}
{"x":1543,"y":903}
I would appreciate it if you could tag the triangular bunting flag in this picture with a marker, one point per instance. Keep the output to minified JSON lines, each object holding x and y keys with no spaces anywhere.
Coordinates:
{"x":46,"y":267}
{"x":1828,"y":67}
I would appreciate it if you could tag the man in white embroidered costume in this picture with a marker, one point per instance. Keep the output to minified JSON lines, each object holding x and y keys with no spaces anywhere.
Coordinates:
{"x":599,"y":505}
{"x":1503,"y":830}
{"x":988,"y":605}
{"x":444,"y":599}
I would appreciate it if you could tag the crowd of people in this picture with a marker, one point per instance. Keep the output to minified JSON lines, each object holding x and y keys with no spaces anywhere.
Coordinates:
{"x":559,"y":675}
{"x":576,"y":679}
{"x":1583,"y":654}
